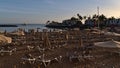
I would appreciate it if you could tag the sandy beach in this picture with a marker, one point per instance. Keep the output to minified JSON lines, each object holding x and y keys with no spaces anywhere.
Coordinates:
{"x":59,"y":49}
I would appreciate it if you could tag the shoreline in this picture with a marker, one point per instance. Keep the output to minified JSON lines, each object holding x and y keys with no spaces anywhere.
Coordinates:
{"x":6,"y":25}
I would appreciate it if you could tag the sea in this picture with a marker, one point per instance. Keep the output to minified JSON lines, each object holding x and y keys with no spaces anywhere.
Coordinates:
{"x":26,"y":27}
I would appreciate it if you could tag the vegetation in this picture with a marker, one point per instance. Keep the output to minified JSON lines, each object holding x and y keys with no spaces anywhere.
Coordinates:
{"x":100,"y":21}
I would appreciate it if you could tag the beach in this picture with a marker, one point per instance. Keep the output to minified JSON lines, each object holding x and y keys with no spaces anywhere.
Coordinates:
{"x":59,"y":34}
{"x":59,"y":49}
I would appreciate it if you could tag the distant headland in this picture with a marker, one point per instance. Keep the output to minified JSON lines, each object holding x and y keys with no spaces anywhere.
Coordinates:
{"x":8,"y":25}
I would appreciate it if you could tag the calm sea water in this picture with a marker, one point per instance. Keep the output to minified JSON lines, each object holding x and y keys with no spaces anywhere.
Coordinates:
{"x":26,"y":27}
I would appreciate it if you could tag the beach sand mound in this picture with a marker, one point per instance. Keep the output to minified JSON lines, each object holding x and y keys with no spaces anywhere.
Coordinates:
{"x":108,"y":44}
{"x":4,"y":39}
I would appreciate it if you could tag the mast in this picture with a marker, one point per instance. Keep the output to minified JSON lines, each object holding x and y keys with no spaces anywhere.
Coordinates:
{"x":98,"y":16}
{"x":98,"y":10}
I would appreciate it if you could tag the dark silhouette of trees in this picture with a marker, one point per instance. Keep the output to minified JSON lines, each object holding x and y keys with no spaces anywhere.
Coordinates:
{"x":84,"y":17}
{"x":73,"y":18}
{"x":79,"y":16}
{"x":48,"y":22}
{"x":100,"y":21}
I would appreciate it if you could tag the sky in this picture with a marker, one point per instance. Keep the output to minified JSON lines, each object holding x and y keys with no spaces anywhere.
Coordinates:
{"x":40,"y":11}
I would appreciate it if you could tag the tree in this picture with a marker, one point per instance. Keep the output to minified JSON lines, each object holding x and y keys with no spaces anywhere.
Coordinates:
{"x":95,"y":16}
{"x":73,"y":18}
{"x":101,"y":20}
{"x":84,"y":17}
{"x":79,"y":16}
{"x":48,"y":22}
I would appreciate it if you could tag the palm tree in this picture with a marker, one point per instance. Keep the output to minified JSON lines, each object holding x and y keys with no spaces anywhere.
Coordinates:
{"x":95,"y":20}
{"x":73,"y":18}
{"x":85,"y":17}
{"x":111,"y":23}
{"x":80,"y":17}
{"x":112,"y":18}
{"x":101,"y":20}
{"x":48,"y":22}
{"x":94,"y":16}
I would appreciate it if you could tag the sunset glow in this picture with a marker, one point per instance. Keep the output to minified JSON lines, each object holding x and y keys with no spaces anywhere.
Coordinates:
{"x":39,"y":11}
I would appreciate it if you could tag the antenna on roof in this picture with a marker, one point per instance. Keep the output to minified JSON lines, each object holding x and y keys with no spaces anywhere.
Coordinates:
{"x":98,"y":16}
{"x":98,"y":10}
